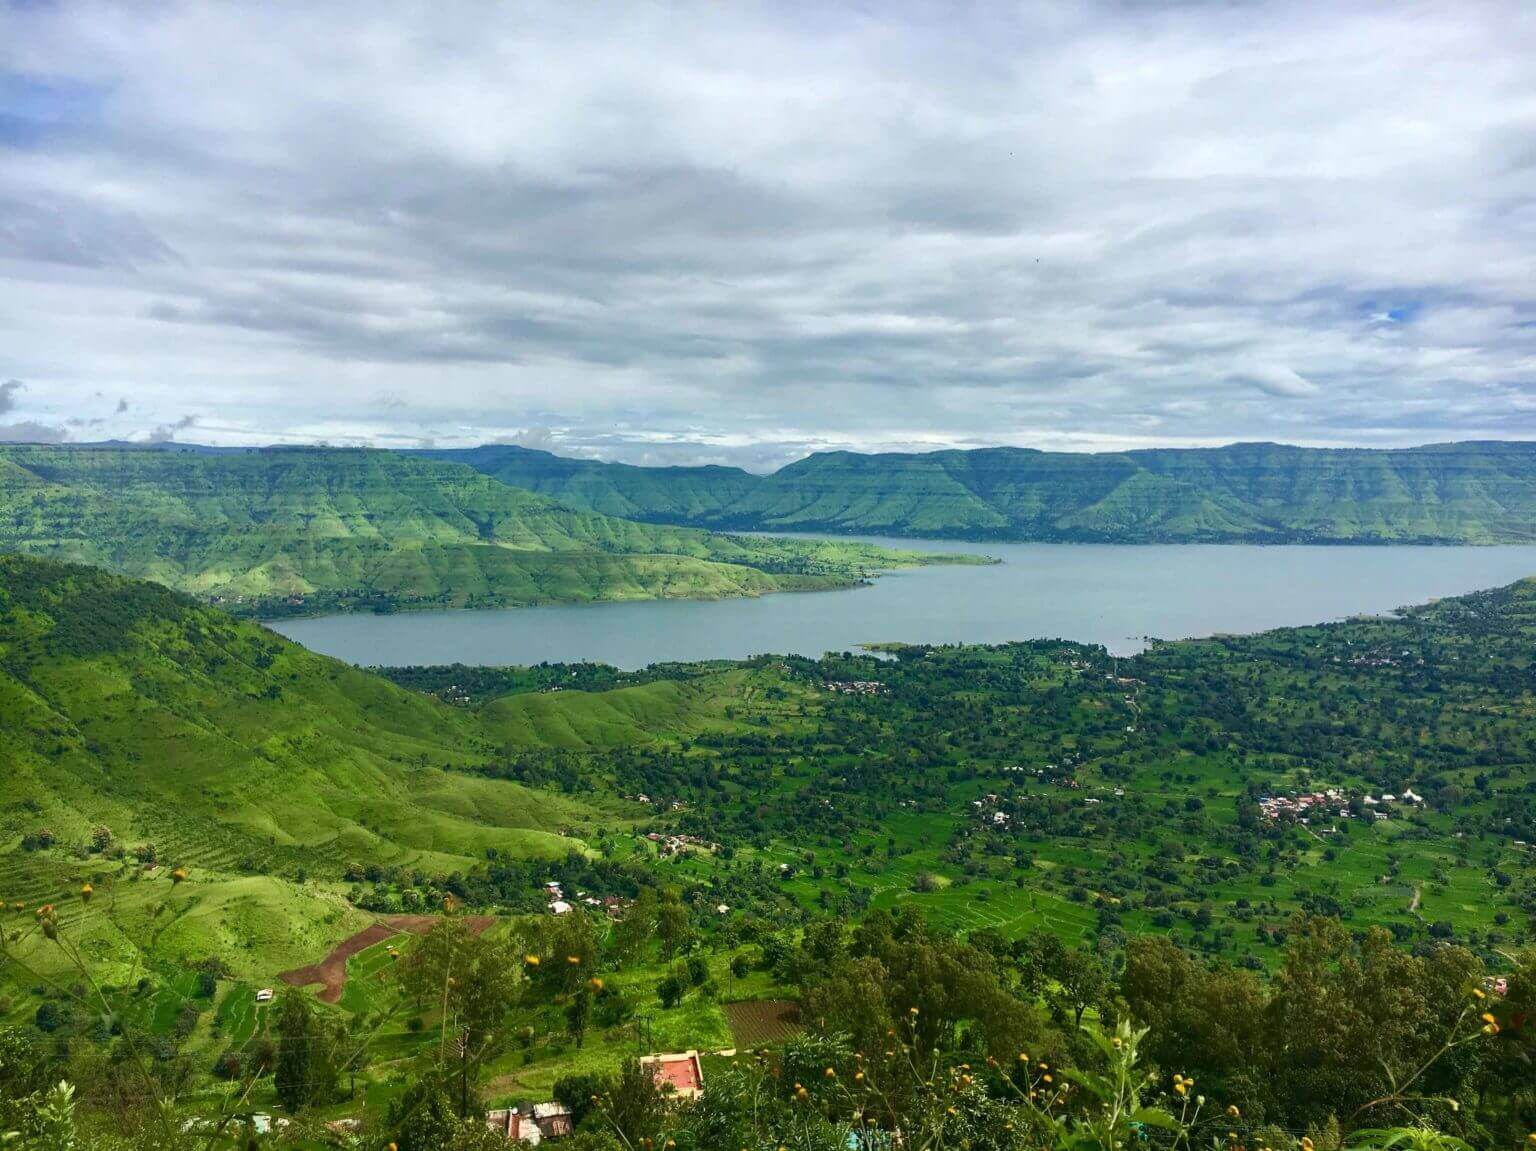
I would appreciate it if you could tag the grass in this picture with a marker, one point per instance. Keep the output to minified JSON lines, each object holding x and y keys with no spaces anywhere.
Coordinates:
{"x":239,"y":1015}
{"x":667,"y":710}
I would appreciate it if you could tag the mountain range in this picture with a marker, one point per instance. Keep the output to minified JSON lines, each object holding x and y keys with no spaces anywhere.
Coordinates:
{"x":1477,"y":492}
{"x":303,"y":529}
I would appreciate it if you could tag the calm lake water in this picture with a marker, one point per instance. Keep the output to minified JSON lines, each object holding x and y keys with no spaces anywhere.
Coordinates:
{"x":1109,"y":594}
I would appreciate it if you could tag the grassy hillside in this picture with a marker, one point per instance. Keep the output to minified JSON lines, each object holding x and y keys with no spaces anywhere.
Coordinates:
{"x":314,"y":529}
{"x":238,"y":755}
{"x":1267,"y":493}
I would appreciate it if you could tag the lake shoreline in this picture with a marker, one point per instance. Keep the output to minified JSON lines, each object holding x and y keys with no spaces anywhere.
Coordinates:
{"x":1119,"y":596}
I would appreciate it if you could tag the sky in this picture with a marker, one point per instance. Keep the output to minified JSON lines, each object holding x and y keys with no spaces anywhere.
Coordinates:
{"x":706,"y":232}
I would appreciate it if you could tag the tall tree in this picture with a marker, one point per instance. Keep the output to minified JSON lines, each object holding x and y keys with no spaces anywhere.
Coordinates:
{"x":296,"y":1034}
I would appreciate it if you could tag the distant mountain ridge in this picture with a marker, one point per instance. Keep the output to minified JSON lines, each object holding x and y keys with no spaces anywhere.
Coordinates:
{"x":1476,"y":492}
{"x":289,"y":529}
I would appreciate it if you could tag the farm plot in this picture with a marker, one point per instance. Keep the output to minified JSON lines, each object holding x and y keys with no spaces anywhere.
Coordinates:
{"x":758,"y":1023}
{"x":239,"y":1014}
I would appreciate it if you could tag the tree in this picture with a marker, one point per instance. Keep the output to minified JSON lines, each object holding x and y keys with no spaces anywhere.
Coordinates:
{"x":1205,"y":1021}
{"x":423,"y":1119}
{"x":562,"y":940}
{"x":673,"y":927}
{"x":635,"y":1107}
{"x":637,"y":928}
{"x":577,"y":1012}
{"x":48,"y":1017}
{"x":850,"y":998}
{"x":1082,"y":980}
{"x":354,"y":1057}
{"x":670,"y":990}
{"x":296,"y":1035}
{"x":475,"y":979}
{"x":578,"y":1092}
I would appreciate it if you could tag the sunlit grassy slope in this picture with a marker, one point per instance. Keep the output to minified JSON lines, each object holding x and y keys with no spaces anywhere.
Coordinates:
{"x":239,"y":755}
{"x":664,"y":710}
{"x":334,"y":528}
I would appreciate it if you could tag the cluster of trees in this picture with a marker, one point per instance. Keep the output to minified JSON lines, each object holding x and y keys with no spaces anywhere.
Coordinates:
{"x":1163,"y":756}
{"x":1174,"y":747}
{"x":981,"y":1042}
{"x":471,"y":685}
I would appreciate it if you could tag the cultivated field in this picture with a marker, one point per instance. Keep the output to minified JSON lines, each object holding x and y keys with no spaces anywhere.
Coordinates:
{"x":762,"y":1022}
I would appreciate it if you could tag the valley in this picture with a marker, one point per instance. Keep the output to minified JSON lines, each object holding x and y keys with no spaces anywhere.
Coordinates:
{"x":241,"y":806}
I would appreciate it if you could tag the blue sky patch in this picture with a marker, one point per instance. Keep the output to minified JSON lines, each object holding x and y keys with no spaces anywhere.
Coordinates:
{"x":32,"y":107}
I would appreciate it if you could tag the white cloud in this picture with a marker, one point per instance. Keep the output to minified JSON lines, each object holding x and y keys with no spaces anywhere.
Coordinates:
{"x":742,"y":231}
{"x":1274,"y":380}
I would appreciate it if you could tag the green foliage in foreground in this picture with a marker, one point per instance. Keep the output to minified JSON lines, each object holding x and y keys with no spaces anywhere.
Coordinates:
{"x":303,"y":530}
{"x":913,"y":1038}
{"x":1264,"y":493}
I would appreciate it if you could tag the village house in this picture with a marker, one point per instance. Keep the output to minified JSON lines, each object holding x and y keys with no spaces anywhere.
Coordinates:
{"x":552,"y":1119}
{"x":670,"y":845}
{"x":513,"y":1126}
{"x":543,"y":1121}
{"x":679,"y":1076}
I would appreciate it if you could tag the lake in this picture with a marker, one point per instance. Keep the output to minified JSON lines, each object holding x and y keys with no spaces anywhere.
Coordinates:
{"x":1115,"y":595}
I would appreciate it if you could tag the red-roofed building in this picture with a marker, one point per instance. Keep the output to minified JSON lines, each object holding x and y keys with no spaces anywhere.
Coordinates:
{"x":680,"y":1076}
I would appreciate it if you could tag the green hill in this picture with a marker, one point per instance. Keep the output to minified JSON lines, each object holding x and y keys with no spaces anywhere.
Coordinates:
{"x":659,"y":495}
{"x":238,"y":755}
{"x":1261,"y":493}
{"x":312,"y":529}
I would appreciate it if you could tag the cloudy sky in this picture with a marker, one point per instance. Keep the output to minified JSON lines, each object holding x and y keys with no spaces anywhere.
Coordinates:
{"x":738,"y":232}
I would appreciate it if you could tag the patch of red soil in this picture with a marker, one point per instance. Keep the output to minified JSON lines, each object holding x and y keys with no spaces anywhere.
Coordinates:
{"x":332,"y":970}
